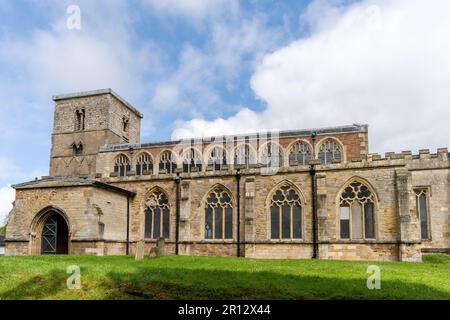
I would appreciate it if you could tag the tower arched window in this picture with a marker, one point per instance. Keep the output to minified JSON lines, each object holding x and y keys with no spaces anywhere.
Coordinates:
{"x":245,"y":155}
{"x":157,"y":216}
{"x":217,"y":158}
{"x":300,"y":152}
{"x":192,"y":159}
{"x":80,"y":116}
{"x":271,"y":155}
{"x":122,"y":165}
{"x":77,"y":149}
{"x":219,"y":215}
{"x":330,"y":151}
{"x":357,"y":212}
{"x":167,"y":162}
{"x":286,"y":214}
{"x":144,"y":164}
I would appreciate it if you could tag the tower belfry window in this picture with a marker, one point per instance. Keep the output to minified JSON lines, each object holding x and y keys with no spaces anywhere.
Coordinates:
{"x":80,"y":116}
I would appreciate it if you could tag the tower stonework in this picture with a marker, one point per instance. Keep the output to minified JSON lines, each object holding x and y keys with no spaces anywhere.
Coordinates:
{"x":84,"y":122}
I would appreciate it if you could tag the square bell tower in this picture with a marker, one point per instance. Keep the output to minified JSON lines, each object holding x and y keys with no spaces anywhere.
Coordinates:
{"x":85,"y":121}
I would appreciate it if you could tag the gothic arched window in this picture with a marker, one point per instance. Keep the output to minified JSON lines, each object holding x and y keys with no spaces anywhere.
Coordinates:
{"x":157,"y":216}
{"x":217,"y":158}
{"x":219,"y":215}
{"x":285,"y":214}
{"x":144,"y":164}
{"x":122,"y":165}
{"x":80,"y":116}
{"x":300,"y":152}
{"x":192,"y":159}
{"x":357,"y":212}
{"x":271,"y":155}
{"x":167,"y":162}
{"x":330,"y":151}
{"x":244,"y":155}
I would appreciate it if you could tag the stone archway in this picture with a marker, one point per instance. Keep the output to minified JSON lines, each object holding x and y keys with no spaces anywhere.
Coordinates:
{"x":50,"y":232}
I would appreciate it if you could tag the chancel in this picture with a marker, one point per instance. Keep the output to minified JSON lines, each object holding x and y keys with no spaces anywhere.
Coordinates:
{"x":313,"y":193}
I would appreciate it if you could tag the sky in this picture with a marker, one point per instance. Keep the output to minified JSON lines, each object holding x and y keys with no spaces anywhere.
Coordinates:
{"x":213,"y":67}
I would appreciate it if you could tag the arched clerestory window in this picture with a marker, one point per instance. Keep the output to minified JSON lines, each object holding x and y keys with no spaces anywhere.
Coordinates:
{"x":271,"y":155}
{"x":300,"y":152}
{"x":219,"y":215}
{"x":144,"y":164}
{"x":157,"y":216}
{"x":122,"y":165}
{"x":245,"y":155}
{"x":285,"y":213}
{"x":330,"y":151}
{"x":192,"y":160}
{"x":167,"y":162}
{"x":217,"y":158}
{"x":357,"y":212}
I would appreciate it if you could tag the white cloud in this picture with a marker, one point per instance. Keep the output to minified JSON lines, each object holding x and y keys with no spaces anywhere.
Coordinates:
{"x":7,"y":196}
{"x":193,"y":10}
{"x":384,"y":63}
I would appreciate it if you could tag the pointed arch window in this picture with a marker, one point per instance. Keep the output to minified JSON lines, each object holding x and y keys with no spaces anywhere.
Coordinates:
{"x":330,"y":151}
{"x":122,"y":165}
{"x":357,"y":212}
{"x":300,"y":152}
{"x":192,"y":160}
{"x":167,"y":162}
{"x":285,"y":214}
{"x":219,"y":215}
{"x":422,"y":211}
{"x":157,"y":216}
{"x":217,"y":158}
{"x":80,"y":116}
{"x":271,"y":155}
{"x":144,"y":164}
{"x":245,"y":155}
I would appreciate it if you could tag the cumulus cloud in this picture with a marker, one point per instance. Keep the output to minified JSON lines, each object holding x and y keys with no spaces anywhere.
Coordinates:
{"x":384,"y":63}
{"x":7,"y":196}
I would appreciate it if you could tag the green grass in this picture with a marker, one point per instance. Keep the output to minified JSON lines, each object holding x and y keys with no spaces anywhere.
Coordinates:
{"x":219,"y":278}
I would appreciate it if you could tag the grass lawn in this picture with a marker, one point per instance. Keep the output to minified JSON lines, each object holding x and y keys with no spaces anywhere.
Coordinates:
{"x":220,"y":278}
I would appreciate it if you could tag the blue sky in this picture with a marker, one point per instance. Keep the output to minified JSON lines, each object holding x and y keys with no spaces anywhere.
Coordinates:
{"x":205,"y":67}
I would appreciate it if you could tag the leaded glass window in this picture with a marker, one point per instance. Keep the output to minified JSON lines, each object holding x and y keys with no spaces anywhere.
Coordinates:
{"x":285,"y":214}
{"x":271,"y":155}
{"x":330,"y":151}
{"x":157,"y":216}
{"x":144,"y":164}
{"x":357,"y":212}
{"x":422,"y":212}
{"x":122,"y":165}
{"x":300,"y":152}
{"x":192,"y":160}
{"x":167,"y":162}
{"x":219,"y":215}
{"x":245,"y":155}
{"x":217,"y":158}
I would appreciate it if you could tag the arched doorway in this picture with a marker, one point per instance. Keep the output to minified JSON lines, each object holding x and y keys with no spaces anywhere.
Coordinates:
{"x":55,"y":235}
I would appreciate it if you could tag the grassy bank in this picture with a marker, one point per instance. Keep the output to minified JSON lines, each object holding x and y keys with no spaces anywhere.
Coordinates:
{"x":219,"y":278}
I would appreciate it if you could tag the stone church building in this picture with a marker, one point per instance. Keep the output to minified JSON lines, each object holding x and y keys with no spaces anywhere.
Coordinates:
{"x":290,"y":194}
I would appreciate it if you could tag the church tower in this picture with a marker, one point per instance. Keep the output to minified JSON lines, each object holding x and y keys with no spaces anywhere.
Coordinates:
{"x":85,"y":121}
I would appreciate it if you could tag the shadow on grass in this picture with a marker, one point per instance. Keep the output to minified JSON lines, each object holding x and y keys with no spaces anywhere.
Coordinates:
{"x":149,"y":282}
{"x":161,"y":283}
{"x":38,"y":287}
